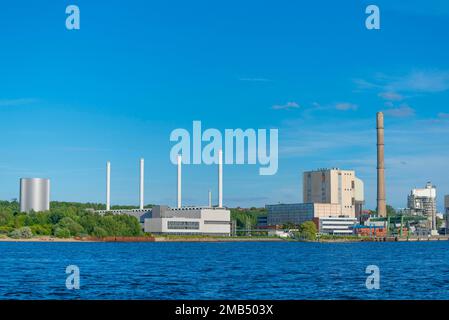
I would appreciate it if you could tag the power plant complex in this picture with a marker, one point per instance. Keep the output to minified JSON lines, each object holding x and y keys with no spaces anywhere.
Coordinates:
{"x":182,"y":220}
{"x":332,"y":198}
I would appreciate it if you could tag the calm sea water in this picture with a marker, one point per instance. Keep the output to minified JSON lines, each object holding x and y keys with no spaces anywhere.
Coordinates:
{"x":224,"y":270}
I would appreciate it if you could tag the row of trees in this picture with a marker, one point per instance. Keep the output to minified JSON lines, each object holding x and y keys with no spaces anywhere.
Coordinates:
{"x":65,"y":220}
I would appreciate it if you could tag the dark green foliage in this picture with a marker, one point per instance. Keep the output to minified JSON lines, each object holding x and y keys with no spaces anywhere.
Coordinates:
{"x":67,"y":219}
{"x":307,"y":231}
{"x":243,"y":217}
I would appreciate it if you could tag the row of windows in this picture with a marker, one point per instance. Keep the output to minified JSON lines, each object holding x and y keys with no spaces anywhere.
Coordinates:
{"x":190,"y":225}
{"x":216,"y":222}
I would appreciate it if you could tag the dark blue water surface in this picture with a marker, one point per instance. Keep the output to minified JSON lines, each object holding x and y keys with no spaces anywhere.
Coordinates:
{"x":244,"y":270}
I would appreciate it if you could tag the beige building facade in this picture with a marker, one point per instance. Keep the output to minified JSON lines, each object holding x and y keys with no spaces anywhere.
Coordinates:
{"x":334,"y":186}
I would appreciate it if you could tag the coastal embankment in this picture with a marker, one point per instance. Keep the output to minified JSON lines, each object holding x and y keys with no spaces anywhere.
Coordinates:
{"x":218,"y":239}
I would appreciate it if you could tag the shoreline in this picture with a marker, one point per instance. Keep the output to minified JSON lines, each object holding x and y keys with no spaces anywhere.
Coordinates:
{"x":218,"y":239}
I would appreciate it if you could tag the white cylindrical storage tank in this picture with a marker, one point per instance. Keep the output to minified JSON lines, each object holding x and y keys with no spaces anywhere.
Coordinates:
{"x":34,"y":194}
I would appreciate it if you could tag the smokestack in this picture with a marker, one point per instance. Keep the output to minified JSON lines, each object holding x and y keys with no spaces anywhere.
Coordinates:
{"x":210,"y":199}
{"x":220,"y":179}
{"x":142,"y":172}
{"x":381,"y":201}
{"x":179,"y":181}
{"x":108,"y":186}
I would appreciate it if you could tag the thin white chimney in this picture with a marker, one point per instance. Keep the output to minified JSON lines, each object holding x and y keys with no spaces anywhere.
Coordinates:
{"x":210,"y":199}
{"x":108,"y":186}
{"x":179,"y":181}
{"x":220,"y":179}
{"x":142,"y":172}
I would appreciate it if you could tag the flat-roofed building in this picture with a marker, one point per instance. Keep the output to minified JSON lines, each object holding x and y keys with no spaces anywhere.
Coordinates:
{"x":335,"y":225}
{"x":297,"y":213}
{"x":334,"y":186}
{"x":212,"y":221}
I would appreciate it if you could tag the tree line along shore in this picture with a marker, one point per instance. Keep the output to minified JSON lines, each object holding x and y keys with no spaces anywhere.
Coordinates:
{"x":72,"y":221}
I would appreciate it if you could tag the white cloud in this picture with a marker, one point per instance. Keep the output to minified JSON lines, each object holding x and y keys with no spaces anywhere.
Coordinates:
{"x":421,"y":81}
{"x":287,"y":106}
{"x":345,"y":106}
{"x":391,"y":96}
{"x":402,"y":111}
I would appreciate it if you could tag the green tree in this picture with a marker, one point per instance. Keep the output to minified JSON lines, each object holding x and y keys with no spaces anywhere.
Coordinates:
{"x":74,"y":227}
{"x":99,"y":232}
{"x":62,"y":232}
{"x":307,"y":230}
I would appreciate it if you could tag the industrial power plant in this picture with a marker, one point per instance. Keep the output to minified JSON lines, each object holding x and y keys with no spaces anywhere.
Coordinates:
{"x":182,"y":220}
{"x":332,"y":198}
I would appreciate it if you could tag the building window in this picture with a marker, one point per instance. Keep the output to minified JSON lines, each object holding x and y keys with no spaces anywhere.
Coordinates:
{"x":217,"y":222}
{"x":191,"y":225}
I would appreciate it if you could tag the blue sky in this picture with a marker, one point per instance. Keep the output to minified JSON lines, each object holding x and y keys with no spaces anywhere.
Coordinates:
{"x":116,"y":88}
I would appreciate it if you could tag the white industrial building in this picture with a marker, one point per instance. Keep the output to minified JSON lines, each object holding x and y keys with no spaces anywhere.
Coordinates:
{"x":335,"y":225}
{"x":213,"y":221}
{"x":182,"y":220}
{"x":423,"y":202}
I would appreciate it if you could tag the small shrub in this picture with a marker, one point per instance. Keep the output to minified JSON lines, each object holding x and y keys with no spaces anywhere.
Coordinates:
{"x":21,"y":233}
{"x":62,"y":232}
